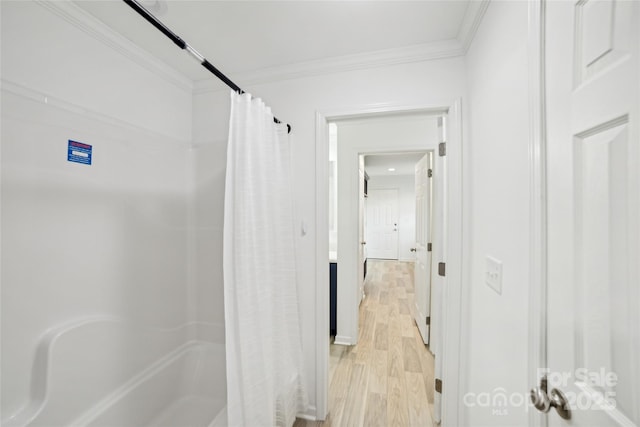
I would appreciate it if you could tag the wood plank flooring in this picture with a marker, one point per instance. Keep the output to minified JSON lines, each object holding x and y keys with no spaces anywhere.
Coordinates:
{"x":387,"y":378}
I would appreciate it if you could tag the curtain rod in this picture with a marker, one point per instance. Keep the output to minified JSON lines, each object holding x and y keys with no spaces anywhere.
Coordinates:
{"x":185,"y":46}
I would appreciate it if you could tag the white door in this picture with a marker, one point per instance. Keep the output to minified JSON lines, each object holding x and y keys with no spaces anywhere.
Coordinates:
{"x":438,"y":254}
{"x":361,"y":236}
{"x":382,"y":224}
{"x":593,"y":327}
{"x":422,"y":271}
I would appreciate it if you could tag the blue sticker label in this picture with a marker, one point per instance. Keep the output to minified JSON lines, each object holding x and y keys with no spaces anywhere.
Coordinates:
{"x":79,"y":152}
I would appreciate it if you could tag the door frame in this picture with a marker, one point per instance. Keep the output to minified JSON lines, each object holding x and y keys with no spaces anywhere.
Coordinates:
{"x":455,"y":297}
{"x":538,"y":202}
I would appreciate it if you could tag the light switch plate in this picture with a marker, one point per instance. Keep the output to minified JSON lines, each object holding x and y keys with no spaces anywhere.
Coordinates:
{"x":493,"y":274}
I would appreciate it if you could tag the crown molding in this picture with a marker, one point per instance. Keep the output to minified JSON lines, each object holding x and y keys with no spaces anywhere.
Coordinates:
{"x":471,"y":21}
{"x":382,"y":58}
{"x":97,"y":29}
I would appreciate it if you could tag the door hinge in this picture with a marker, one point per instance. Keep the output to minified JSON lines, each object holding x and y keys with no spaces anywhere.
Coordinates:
{"x":429,"y":247}
{"x":442,"y":149}
{"x":438,"y":385}
{"x":442,"y":269}
{"x":430,"y":173}
{"x":428,"y":320}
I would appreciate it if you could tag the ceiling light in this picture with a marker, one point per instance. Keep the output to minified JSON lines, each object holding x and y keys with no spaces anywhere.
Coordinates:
{"x":391,"y":169}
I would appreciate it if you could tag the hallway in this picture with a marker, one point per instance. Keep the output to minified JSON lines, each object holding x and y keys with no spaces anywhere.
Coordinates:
{"x":387,"y":378}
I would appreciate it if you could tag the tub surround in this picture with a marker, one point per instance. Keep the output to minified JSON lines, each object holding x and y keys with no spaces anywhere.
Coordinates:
{"x":186,"y":384}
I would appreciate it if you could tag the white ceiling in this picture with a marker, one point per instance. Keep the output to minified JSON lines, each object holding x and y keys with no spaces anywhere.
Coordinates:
{"x":404,"y":164}
{"x":242,"y":37}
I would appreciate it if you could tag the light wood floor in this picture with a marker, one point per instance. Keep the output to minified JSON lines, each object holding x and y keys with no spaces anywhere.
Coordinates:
{"x":387,"y":378}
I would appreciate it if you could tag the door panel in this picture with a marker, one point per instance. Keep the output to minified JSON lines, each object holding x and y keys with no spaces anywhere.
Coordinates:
{"x":361,"y":228}
{"x":438,"y":254}
{"x":382,"y":224}
{"x":593,"y":218}
{"x":422,"y":271}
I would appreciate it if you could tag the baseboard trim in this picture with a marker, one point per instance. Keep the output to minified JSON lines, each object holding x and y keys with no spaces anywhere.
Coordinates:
{"x":343,"y":340}
{"x":309,"y":414}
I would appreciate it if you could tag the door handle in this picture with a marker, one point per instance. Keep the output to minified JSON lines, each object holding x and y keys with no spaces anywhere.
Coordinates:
{"x":363,"y":243}
{"x":543,"y":402}
{"x":413,"y":249}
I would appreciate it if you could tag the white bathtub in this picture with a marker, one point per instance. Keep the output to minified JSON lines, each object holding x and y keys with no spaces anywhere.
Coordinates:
{"x":182,"y":389}
{"x":105,"y":372}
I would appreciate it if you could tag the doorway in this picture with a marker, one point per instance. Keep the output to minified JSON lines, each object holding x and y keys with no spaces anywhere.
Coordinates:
{"x":391,"y":205}
{"x":359,"y":137}
{"x":347,"y":247}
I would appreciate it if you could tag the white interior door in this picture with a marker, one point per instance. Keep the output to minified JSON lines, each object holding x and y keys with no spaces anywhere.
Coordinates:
{"x":593,"y":327}
{"x":361,"y":235}
{"x":382,"y":224}
{"x":439,"y":255}
{"x":422,"y":271}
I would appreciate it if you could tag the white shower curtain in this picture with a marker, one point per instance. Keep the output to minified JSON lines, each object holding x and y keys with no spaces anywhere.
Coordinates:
{"x":265,"y":384}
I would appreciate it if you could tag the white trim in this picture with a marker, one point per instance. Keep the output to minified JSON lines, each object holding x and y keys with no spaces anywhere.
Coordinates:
{"x":537,"y":187}
{"x":322,"y":272}
{"x":97,"y":29}
{"x":452,"y":359}
{"x":455,"y":292}
{"x":52,"y":101}
{"x":309,"y":414}
{"x":342,"y":340}
{"x":381,"y":109}
{"x":471,"y":21}
{"x":382,"y":58}
{"x":465,"y":303}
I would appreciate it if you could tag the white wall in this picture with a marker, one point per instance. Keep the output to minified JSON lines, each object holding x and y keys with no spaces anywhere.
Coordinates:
{"x":80,"y":241}
{"x":208,"y":178}
{"x":60,"y":60}
{"x":406,"y":185}
{"x":433,"y":83}
{"x":497,"y":196}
